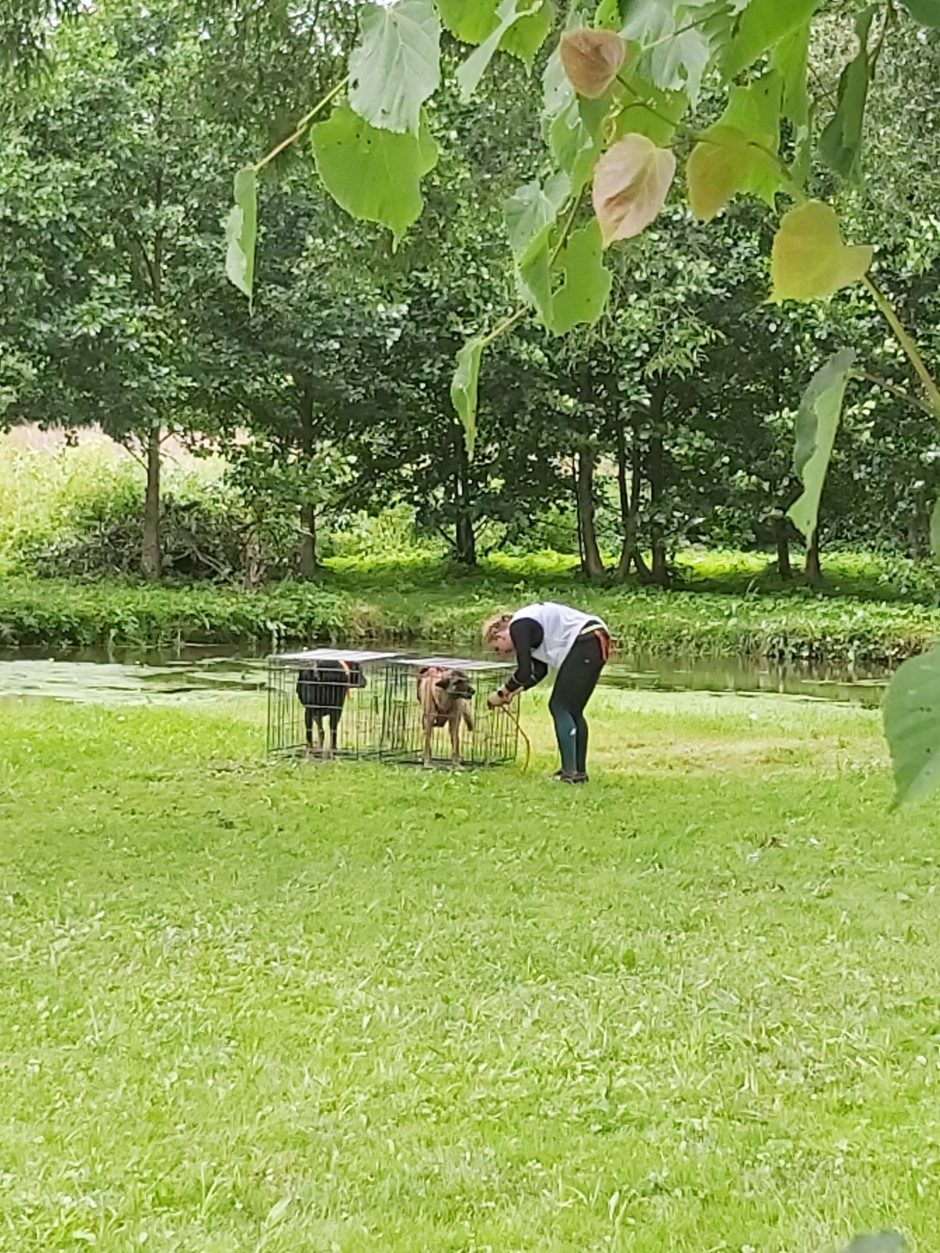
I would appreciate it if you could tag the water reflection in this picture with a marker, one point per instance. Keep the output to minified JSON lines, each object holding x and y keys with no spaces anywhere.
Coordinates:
{"x":209,"y":674}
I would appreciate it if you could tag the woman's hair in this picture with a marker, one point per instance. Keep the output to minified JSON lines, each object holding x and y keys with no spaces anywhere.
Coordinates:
{"x":492,"y":626}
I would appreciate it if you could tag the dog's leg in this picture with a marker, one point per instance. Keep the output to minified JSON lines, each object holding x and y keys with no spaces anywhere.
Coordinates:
{"x":428,"y":732}
{"x":455,"y":739}
{"x":308,"y":729}
{"x":319,"y":749}
{"x":334,"y":731}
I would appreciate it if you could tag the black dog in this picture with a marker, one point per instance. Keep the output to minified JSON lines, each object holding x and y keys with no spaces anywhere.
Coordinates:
{"x":322,"y":691}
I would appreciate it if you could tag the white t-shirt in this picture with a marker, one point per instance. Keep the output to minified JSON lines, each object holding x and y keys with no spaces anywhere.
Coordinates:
{"x":561,"y":626}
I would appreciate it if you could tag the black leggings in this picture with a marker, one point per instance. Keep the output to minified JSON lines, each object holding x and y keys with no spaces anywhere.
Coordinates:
{"x":574,"y":684}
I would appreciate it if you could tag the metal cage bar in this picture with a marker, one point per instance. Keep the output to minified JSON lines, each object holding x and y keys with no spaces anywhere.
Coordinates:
{"x":326,"y":703}
{"x":483,"y":737}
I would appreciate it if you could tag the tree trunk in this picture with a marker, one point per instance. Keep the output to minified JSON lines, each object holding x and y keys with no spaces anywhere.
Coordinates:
{"x":255,"y":571}
{"x":593,"y":563}
{"x":307,"y":544}
{"x":656,"y":473}
{"x":151,"y":556}
{"x":782,"y":535}
{"x":464,"y":534}
{"x":630,"y":509}
{"x":813,"y":564}
{"x":307,"y":547}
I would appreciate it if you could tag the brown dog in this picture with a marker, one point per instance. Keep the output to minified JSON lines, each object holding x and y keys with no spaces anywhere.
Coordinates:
{"x":444,"y":695}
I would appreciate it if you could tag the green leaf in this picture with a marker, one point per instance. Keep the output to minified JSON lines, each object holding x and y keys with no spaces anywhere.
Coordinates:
{"x":586,"y":281}
{"x":464,"y":389}
{"x":841,"y":141}
{"x":396,"y":65}
{"x":816,"y":425}
{"x":241,"y":232}
{"x":572,"y":127}
{"x":608,"y":15}
{"x":762,"y":25}
{"x":507,"y":14}
{"x":716,"y":170}
{"x":755,"y":111}
{"x":373,"y":174}
{"x":473,"y":21}
{"x":525,"y":37}
{"x":935,"y":532}
{"x":809,"y":260}
{"x":672,"y":56}
{"x":530,"y":214}
{"x":912,"y":727}
{"x":737,"y":153}
{"x":657,"y":117}
{"x":927,"y":12}
{"x":790,"y":58}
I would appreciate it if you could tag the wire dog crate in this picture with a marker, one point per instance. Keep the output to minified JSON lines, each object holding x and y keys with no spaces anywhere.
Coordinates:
{"x":436,"y":713}
{"x":326,"y":703}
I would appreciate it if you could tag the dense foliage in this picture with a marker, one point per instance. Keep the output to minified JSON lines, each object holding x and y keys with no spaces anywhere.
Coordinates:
{"x":801,"y":135}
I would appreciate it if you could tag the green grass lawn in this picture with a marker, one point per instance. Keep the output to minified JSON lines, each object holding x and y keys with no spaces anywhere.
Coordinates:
{"x":692,"y":1007}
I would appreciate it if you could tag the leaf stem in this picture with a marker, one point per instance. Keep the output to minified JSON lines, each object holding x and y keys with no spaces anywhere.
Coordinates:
{"x":302,"y":124}
{"x":700,"y":21}
{"x":502,"y":327}
{"x":893,"y":388}
{"x":904,"y":338}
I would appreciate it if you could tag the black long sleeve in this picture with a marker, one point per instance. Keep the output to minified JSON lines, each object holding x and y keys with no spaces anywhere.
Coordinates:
{"x":526,"y":634}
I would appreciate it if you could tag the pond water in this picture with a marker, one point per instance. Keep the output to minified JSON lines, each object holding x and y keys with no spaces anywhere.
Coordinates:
{"x":199,"y":675}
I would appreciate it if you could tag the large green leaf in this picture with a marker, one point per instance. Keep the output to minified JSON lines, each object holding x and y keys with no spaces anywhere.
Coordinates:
{"x":373,"y":174}
{"x":841,"y":141}
{"x":241,"y":231}
{"x":912,"y":727}
{"x":464,"y":389}
{"x":586,"y":281}
{"x":809,"y":260}
{"x":508,"y":14}
{"x":737,"y":153}
{"x":530,"y":214}
{"x":762,"y":25}
{"x":396,"y":65}
{"x":927,"y":12}
{"x":672,"y":54}
{"x":816,"y":425}
{"x":790,"y":58}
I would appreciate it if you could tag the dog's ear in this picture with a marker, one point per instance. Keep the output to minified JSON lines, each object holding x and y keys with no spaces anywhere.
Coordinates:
{"x":443,"y":684}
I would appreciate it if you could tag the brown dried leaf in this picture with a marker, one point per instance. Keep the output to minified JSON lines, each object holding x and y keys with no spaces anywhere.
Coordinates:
{"x":631,"y":183}
{"x":591,"y":59}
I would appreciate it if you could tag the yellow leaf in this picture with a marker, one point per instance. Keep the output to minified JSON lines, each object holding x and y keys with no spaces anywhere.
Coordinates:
{"x":592,"y":59}
{"x":810,"y":260}
{"x":631,"y":183}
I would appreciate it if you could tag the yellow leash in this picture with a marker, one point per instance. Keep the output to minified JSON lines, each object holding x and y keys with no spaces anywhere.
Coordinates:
{"x":514,"y":717}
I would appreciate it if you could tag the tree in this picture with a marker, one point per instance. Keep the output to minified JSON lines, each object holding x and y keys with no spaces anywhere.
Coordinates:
{"x":110,"y":214}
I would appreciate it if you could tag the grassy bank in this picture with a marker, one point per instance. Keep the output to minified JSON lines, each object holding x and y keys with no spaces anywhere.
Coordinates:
{"x":248,"y":1008}
{"x":723,"y":610}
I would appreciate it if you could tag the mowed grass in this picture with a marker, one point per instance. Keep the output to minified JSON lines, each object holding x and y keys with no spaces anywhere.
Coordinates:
{"x":244,"y":1007}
